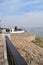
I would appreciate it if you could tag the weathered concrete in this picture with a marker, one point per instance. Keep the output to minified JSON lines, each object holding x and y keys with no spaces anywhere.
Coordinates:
{"x":5,"y":51}
{"x":13,"y":55}
{"x":32,"y":53}
{"x":1,"y":50}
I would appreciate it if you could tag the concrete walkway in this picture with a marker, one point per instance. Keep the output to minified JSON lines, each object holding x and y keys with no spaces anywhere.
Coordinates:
{"x":1,"y":50}
{"x":5,"y":52}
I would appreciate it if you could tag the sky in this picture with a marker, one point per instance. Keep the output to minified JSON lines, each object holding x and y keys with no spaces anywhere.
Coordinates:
{"x":21,"y":13}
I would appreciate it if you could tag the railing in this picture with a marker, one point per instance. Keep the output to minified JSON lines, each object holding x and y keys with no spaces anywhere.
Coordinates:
{"x":14,"y":57}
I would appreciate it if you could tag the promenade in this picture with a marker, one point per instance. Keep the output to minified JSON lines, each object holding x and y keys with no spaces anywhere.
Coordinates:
{"x":1,"y":50}
{"x":31,"y":53}
{"x":20,"y":43}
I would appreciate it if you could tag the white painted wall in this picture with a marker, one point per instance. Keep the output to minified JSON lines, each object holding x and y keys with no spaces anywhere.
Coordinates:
{"x":3,"y":31}
{"x":17,"y":31}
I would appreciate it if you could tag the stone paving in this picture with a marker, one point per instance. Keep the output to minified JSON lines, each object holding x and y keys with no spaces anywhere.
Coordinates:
{"x":31,"y":53}
{"x":1,"y":50}
{"x":5,"y":52}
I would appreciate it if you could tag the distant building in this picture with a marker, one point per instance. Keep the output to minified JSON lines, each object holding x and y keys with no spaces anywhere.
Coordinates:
{"x":4,"y":30}
{"x":17,"y":30}
{"x":12,"y":30}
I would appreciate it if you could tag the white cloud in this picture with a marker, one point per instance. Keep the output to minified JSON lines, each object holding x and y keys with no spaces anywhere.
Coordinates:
{"x":13,"y":7}
{"x":33,"y":19}
{"x":20,"y":3}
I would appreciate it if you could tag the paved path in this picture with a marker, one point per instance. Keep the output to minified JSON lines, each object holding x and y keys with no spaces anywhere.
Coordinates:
{"x":32,"y":53}
{"x":5,"y":53}
{"x":1,"y":50}
{"x":6,"y":35}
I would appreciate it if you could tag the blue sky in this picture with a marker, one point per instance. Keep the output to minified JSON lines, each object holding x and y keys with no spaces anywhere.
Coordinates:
{"x":21,"y":8}
{"x":16,"y":7}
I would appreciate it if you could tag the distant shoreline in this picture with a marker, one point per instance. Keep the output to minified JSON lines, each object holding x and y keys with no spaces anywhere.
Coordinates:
{"x":37,"y":31}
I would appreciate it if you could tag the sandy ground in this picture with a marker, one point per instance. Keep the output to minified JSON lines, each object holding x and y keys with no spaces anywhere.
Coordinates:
{"x":31,"y":53}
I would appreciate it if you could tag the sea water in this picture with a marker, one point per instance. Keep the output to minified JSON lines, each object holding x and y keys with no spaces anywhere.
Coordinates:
{"x":35,"y":30}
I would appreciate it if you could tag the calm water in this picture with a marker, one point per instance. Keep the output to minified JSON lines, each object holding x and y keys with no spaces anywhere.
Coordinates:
{"x":37,"y":31}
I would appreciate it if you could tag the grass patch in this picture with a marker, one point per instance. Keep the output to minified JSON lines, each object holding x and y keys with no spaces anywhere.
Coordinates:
{"x":38,"y":41}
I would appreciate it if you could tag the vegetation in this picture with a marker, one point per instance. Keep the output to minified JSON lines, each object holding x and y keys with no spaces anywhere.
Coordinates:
{"x":38,"y":41}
